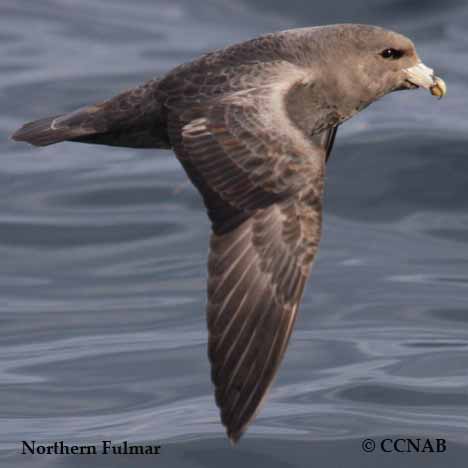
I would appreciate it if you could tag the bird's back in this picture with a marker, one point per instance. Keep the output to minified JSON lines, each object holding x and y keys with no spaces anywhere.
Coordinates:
{"x":138,"y":117}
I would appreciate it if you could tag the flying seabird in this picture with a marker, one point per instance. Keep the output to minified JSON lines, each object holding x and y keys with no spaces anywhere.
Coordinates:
{"x":253,"y":125}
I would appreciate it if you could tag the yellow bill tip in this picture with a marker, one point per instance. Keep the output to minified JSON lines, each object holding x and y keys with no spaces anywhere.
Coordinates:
{"x":439,"y":88}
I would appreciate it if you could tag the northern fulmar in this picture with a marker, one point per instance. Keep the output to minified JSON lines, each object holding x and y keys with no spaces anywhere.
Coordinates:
{"x":253,"y":125}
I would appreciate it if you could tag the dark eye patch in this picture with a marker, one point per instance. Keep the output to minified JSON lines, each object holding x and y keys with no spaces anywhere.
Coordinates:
{"x":392,"y":54}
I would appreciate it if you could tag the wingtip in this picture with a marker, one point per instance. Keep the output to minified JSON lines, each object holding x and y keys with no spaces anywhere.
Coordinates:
{"x":234,"y":437}
{"x":233,"y":440}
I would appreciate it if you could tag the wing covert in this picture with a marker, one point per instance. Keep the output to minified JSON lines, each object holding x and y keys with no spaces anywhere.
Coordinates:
{"x":245,"y":149}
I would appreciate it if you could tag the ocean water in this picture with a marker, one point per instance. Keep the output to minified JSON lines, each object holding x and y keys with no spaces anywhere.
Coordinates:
{"x":103,"y":253}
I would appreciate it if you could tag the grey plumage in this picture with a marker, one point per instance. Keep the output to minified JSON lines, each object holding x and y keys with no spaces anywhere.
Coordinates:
{"x":132,"y":119}
{"x":253,"y":126}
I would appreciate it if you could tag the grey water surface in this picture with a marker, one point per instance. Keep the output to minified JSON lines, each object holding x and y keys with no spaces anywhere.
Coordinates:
{"x":103,"y":253}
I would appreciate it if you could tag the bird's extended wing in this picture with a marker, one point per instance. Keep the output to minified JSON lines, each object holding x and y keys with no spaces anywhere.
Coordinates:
{"x":257,"y":274}
{"x":261,"y":179}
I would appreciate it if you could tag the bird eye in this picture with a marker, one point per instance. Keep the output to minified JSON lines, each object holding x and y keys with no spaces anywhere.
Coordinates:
{"x":393,"y":54}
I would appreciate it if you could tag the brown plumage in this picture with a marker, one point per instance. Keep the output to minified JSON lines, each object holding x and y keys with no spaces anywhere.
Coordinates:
{"x":253,"y":125}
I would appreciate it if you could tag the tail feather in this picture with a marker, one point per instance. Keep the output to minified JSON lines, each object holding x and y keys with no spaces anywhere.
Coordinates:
{"x":55,"y":129}
{"x":39,"y":133}
{"x":133,"y":119}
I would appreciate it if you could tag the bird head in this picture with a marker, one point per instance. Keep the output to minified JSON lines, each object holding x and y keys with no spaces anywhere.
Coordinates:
{"x":377,"y":61}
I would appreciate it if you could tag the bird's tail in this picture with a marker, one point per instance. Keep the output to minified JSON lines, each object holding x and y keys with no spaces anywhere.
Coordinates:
{"x":132,"y":118}
{"x":58,"y":128}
